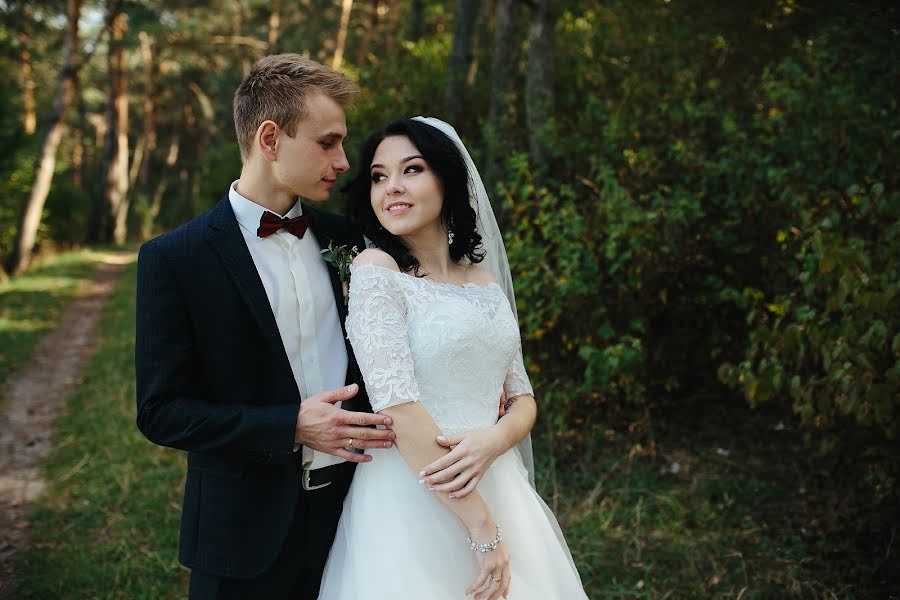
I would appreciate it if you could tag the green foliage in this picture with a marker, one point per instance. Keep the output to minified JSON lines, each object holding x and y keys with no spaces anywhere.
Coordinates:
{"x":831,"y":341}
{"x":727,"y":207}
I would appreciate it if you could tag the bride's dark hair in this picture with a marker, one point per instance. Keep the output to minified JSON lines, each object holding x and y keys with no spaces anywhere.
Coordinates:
{"x":442,"y":155}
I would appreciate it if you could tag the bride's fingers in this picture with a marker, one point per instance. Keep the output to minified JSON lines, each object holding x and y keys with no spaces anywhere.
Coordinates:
{"x":506,"y":580}
{"x":447,"y":474}
{"x":448,"y":460}
{"x":456,"y":484}
{"x":467,"y":489}
{"x":484,"y":577}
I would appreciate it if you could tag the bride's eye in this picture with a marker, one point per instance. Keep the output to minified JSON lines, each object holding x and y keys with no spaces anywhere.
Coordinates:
{"x":376,"y":177}
{"x":414,"y":169}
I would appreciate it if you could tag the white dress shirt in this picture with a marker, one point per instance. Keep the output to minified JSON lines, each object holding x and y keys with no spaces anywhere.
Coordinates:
{"x":296,"y":281}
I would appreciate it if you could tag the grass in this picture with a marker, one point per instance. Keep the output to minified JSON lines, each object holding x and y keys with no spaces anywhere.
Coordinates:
{"x":31,"y":303}
{"x":107,"y":526}
{"x":712,"y":501}
{"x":724,"y":503}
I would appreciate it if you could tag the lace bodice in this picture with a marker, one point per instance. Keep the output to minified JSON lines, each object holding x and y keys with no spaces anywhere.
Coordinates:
{"x":453,"y":348}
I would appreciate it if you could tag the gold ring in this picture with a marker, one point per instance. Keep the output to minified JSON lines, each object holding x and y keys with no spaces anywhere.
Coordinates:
{"x":350,"y":443}
{"x":495,"y":580}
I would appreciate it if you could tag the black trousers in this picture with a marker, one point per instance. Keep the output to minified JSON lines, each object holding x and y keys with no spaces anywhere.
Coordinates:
{"x":297,"y":570}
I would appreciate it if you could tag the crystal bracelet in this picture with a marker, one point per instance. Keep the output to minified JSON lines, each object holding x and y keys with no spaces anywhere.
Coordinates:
{"x":490,"y":546}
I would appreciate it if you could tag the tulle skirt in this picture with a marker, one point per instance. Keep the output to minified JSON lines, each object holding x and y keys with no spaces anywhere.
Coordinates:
{"x":397,"y":541}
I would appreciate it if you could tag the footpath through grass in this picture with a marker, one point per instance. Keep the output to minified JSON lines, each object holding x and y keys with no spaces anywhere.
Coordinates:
{"x":713,"y":503}
{"x":107,"y":525}
{"x":31,"y":303}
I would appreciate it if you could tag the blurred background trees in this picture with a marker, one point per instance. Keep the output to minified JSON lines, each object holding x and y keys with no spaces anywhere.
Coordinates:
{"x":697,"y":197}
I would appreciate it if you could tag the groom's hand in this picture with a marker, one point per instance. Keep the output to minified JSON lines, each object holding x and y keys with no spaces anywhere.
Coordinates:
{"x":324,"y":427}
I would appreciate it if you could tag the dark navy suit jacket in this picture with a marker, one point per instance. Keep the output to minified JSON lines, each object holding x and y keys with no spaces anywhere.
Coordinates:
{"x":213,"y":379}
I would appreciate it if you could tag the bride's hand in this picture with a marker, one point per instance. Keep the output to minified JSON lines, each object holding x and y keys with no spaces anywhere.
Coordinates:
{"x":494,"y":574}
{"x":459,"y":471}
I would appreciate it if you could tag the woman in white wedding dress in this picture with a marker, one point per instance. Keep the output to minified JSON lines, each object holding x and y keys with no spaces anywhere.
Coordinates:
{"x":437,"y":342}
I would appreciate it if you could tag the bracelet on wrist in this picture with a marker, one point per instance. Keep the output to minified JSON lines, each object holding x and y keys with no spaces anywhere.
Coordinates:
{"x":490,"y":546}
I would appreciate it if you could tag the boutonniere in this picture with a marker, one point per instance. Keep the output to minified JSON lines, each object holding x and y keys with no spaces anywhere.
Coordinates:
{"x":340,"y":258}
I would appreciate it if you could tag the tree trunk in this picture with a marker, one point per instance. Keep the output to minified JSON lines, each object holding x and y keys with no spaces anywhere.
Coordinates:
{"x":274,"y":26}
{"x":370,"y":14}
{"x":140,"y":165}
{"x":149,"y":223}
{"x":31,"y":216}
{"x":539,"y":82}
{"x":416,"y":20}
{"x":78,"y":162}
{"x":96,"y":221}
{"x":239,"y":32}
{"x":346,"y":7}
{"x":504,"y":68}
{"x":460,"y":58}
{"x":29,"y":118}
{"x":116,"y":180}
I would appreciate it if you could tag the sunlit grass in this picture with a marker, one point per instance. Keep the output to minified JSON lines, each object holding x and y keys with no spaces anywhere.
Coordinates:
{"x":107,"y":525}
{"x":31,"y":303}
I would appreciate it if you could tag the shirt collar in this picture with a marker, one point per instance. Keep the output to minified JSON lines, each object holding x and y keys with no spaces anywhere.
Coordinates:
{"x":248,"y":212}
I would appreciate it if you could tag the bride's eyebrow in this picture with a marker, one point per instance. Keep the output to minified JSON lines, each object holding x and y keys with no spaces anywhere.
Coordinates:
{"x":405,"y":160}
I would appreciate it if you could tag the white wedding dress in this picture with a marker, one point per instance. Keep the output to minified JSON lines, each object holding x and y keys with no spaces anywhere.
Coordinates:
{"x":453,"y":348}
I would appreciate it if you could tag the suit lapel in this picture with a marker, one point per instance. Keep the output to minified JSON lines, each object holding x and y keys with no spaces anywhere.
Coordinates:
{"x":325,"y":236}
{"x":226,"y":239}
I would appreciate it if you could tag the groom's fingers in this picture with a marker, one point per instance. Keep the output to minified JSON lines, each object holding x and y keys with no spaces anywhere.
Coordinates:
{"x":338,"y":395}
{"x":350,"y":456}
{"x":360,"y":419}
{"x":362,"y":434}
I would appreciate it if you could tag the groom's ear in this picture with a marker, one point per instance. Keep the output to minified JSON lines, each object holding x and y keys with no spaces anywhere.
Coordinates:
{"x":266,"y":137}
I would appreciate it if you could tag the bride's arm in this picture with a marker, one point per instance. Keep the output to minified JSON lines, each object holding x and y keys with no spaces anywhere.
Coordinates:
{"x":416,"y":431}
{"x":459,"y":471}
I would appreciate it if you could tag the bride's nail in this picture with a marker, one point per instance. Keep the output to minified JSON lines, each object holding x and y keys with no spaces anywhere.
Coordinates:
{"x":452,"y":496}
{"x":421,"y":473}
{"x":442,"y":438}
{"x":421,"y":481}
{"x":430,"y":489}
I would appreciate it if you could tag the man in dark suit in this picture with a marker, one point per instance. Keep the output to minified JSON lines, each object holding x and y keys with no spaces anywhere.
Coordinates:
{"x":240,"y":351}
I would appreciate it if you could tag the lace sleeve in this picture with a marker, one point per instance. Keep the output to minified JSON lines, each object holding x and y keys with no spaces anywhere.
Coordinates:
{"x":516,"y":382}
{"x":376,"y":327}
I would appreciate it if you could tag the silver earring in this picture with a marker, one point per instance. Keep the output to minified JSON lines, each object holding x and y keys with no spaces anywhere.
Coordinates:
{"x":450,"y":238}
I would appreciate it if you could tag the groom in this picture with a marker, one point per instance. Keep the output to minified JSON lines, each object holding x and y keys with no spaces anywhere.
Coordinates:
{"x":240,"y":351}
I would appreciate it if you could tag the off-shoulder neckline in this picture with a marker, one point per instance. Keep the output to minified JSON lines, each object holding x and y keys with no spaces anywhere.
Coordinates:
{"x":468,"y":285}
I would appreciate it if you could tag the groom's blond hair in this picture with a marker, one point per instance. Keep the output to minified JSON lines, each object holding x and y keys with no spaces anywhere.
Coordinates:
{"x":277,"y":89}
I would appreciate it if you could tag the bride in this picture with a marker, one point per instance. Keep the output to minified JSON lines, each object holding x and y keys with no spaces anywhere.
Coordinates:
{"x":436,"y":338}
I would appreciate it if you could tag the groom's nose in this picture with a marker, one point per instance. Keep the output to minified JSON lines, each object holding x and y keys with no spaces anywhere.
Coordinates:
{"x":341,"y":164}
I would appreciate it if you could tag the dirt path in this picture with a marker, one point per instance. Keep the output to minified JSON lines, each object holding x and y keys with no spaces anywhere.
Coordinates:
{"x":33,"y":398}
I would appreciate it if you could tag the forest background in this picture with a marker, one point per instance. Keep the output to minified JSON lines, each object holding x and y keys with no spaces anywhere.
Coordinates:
{"x":701,"y":207}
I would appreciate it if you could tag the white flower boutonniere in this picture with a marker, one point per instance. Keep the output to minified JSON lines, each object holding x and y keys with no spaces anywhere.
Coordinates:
{"x":340,"y":258}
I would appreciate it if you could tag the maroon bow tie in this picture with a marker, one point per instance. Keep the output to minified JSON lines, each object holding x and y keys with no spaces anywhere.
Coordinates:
{"x":269,"y":223}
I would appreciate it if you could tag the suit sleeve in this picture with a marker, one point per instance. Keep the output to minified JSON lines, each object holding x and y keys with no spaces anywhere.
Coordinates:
{"x":172,"y":409}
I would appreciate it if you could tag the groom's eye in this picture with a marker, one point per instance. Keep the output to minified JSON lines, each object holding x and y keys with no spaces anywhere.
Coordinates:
{"x":327,"y":145}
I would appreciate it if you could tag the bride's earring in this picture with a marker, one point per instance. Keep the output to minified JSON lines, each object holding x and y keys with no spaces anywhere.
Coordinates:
{"x":450,"y":238}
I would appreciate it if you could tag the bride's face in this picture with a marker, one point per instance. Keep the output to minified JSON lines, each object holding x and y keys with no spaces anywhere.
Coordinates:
{"x":406,"y":194}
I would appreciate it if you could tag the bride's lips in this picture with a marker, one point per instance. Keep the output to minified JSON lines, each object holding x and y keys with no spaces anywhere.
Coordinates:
{"x":398,"y":208}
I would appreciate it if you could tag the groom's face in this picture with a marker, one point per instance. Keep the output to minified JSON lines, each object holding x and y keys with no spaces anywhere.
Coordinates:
{"x":308,"y":163}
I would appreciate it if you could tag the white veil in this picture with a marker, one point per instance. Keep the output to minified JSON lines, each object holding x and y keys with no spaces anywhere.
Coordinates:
{"x":495,"y":259}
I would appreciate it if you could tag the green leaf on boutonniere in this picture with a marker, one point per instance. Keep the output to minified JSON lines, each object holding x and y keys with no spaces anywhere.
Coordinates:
{"x":340,"y":258}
